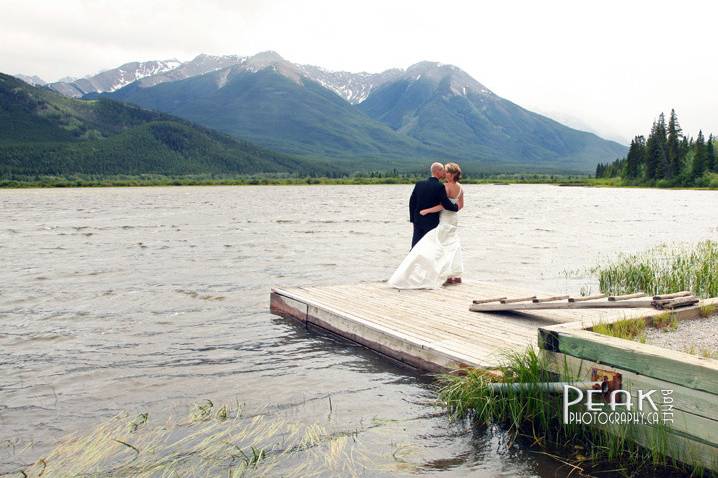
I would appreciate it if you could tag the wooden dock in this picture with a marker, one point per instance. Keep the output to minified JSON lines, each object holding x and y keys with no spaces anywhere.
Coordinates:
{"x":432,"y":330}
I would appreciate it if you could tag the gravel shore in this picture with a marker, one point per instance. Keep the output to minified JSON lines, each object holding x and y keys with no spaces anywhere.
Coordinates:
{"x":695,"y":336}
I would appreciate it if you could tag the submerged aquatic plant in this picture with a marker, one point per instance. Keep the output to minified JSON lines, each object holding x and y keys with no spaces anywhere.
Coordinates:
{"x":212,"y":441}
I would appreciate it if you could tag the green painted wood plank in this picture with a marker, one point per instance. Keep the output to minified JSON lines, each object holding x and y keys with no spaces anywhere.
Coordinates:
{"x":679,"y":447}
{"x":674,"y":367}
{"x":695,"y":413}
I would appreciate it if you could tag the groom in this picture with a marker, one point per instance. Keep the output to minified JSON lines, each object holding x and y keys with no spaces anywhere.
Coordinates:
{"x":426,"y":194}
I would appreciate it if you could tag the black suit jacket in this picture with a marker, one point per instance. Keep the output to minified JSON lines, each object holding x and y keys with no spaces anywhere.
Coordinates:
{"x":426,"y":194}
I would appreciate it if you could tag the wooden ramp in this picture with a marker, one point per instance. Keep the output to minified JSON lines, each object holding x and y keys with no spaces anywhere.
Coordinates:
{"x":431,"y":330}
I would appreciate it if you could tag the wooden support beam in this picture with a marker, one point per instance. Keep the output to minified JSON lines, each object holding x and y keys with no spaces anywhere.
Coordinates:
{"x":627,"y":296}
{"x":508,"y":307}
{"x":486,"y":301}
{"x":662,"y":302}
{"x":588,"y":297}
{"x":680,"y":302}
{"x":520,"y":299}
{"x":550,"y":299}
{"x":684,"y":293}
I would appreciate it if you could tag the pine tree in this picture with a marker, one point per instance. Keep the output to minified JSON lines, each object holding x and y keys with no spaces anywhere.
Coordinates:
{"x":655,"y":153}
{"x":673,"y":146}
{"x":599,"y":170}
{"x":662,"y":167}
{"x":711,"y":155}
{"x":634,"y":157}
{"x":649,"y":158}
{"x":699,"y":160}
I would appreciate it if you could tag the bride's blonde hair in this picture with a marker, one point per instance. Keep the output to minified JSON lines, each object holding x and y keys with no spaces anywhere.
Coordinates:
{"x":454,"y":169}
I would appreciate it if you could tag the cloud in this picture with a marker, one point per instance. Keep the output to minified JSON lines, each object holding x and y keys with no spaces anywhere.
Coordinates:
{"x":610,"y":63}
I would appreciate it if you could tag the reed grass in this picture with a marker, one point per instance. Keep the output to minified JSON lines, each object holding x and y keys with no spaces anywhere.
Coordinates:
{"x":663,"y":269}
{"x":534,"y":416}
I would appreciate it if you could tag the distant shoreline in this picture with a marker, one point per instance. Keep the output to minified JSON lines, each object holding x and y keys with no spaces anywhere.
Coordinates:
{"x":556,"y":180}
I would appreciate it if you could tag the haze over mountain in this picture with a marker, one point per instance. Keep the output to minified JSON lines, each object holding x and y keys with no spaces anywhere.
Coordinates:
{"x":45,"y":133}
{"x":397,"y":117}
{"x":33,"y":80}
{"x":442,"y":106}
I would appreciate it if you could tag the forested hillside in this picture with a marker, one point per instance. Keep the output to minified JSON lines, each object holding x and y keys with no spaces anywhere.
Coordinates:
{"x":45,"y":133}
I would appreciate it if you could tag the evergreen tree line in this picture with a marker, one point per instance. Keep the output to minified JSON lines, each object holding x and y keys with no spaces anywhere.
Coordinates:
{"x":665,"y":158}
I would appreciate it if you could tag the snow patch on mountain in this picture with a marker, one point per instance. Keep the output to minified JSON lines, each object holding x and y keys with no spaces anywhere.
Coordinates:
{"x":125,"y":75}
{"x":353,"y":87}
{"x":33,"y":80}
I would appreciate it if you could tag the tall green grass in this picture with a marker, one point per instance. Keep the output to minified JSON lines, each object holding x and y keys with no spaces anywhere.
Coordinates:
{"x":664,"y":269}
{"x":535,"y":416}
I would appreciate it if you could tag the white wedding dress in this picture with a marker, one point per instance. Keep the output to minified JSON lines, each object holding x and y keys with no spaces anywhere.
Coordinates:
{"x":435,"y":258}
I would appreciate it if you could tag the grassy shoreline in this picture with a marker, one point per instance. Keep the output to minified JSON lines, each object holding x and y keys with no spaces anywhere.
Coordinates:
{"x":140,"y":181}
{"x":150,"y":180}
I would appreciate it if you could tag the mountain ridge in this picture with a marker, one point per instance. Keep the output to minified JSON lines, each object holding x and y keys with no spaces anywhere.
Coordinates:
{"x":258,"y":99}
{"x":387,"y":119}
{"x":114,"y":78}
{"x":45,"y":133}
{"x":443,"y":106}
{"x":433,"y":110}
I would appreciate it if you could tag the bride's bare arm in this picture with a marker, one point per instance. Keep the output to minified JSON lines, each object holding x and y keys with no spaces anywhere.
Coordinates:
{"x":430,"y":210}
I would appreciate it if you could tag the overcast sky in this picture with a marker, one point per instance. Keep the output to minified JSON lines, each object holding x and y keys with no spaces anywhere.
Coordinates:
{"x":609,"y":65}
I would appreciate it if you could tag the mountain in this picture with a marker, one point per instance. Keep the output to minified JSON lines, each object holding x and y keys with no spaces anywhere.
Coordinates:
{"x":353,"y":87}
{"x":33,"y":80}
{"x":396,"y":118}
{"x":45,"y":133}
{"x":148,"y":73}
{"x":270,"y":101}
{"x":113,"y":79}
{"x":200,"y":65}
{"x":443,"y":107}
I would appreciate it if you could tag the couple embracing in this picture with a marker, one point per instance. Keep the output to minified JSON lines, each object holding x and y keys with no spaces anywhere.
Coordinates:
{"x":435,"y":257}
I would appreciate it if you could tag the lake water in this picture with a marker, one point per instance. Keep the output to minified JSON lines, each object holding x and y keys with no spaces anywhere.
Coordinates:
{"x":152,"y":299}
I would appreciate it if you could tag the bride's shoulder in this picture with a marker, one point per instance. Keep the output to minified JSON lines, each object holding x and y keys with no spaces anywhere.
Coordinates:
{"x":454,"y":187}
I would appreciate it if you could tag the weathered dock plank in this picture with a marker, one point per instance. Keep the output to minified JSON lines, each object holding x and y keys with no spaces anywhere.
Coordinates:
{"x":428,"y":329}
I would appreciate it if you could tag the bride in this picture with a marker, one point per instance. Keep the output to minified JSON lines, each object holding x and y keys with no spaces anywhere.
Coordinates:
{"x":436,"y":259}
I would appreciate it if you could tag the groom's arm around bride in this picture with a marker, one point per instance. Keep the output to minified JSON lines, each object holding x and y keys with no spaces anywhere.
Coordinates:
{"x":428,"y":193}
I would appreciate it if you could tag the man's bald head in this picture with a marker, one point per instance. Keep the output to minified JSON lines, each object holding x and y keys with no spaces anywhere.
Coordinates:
{"x":437,"y":170}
